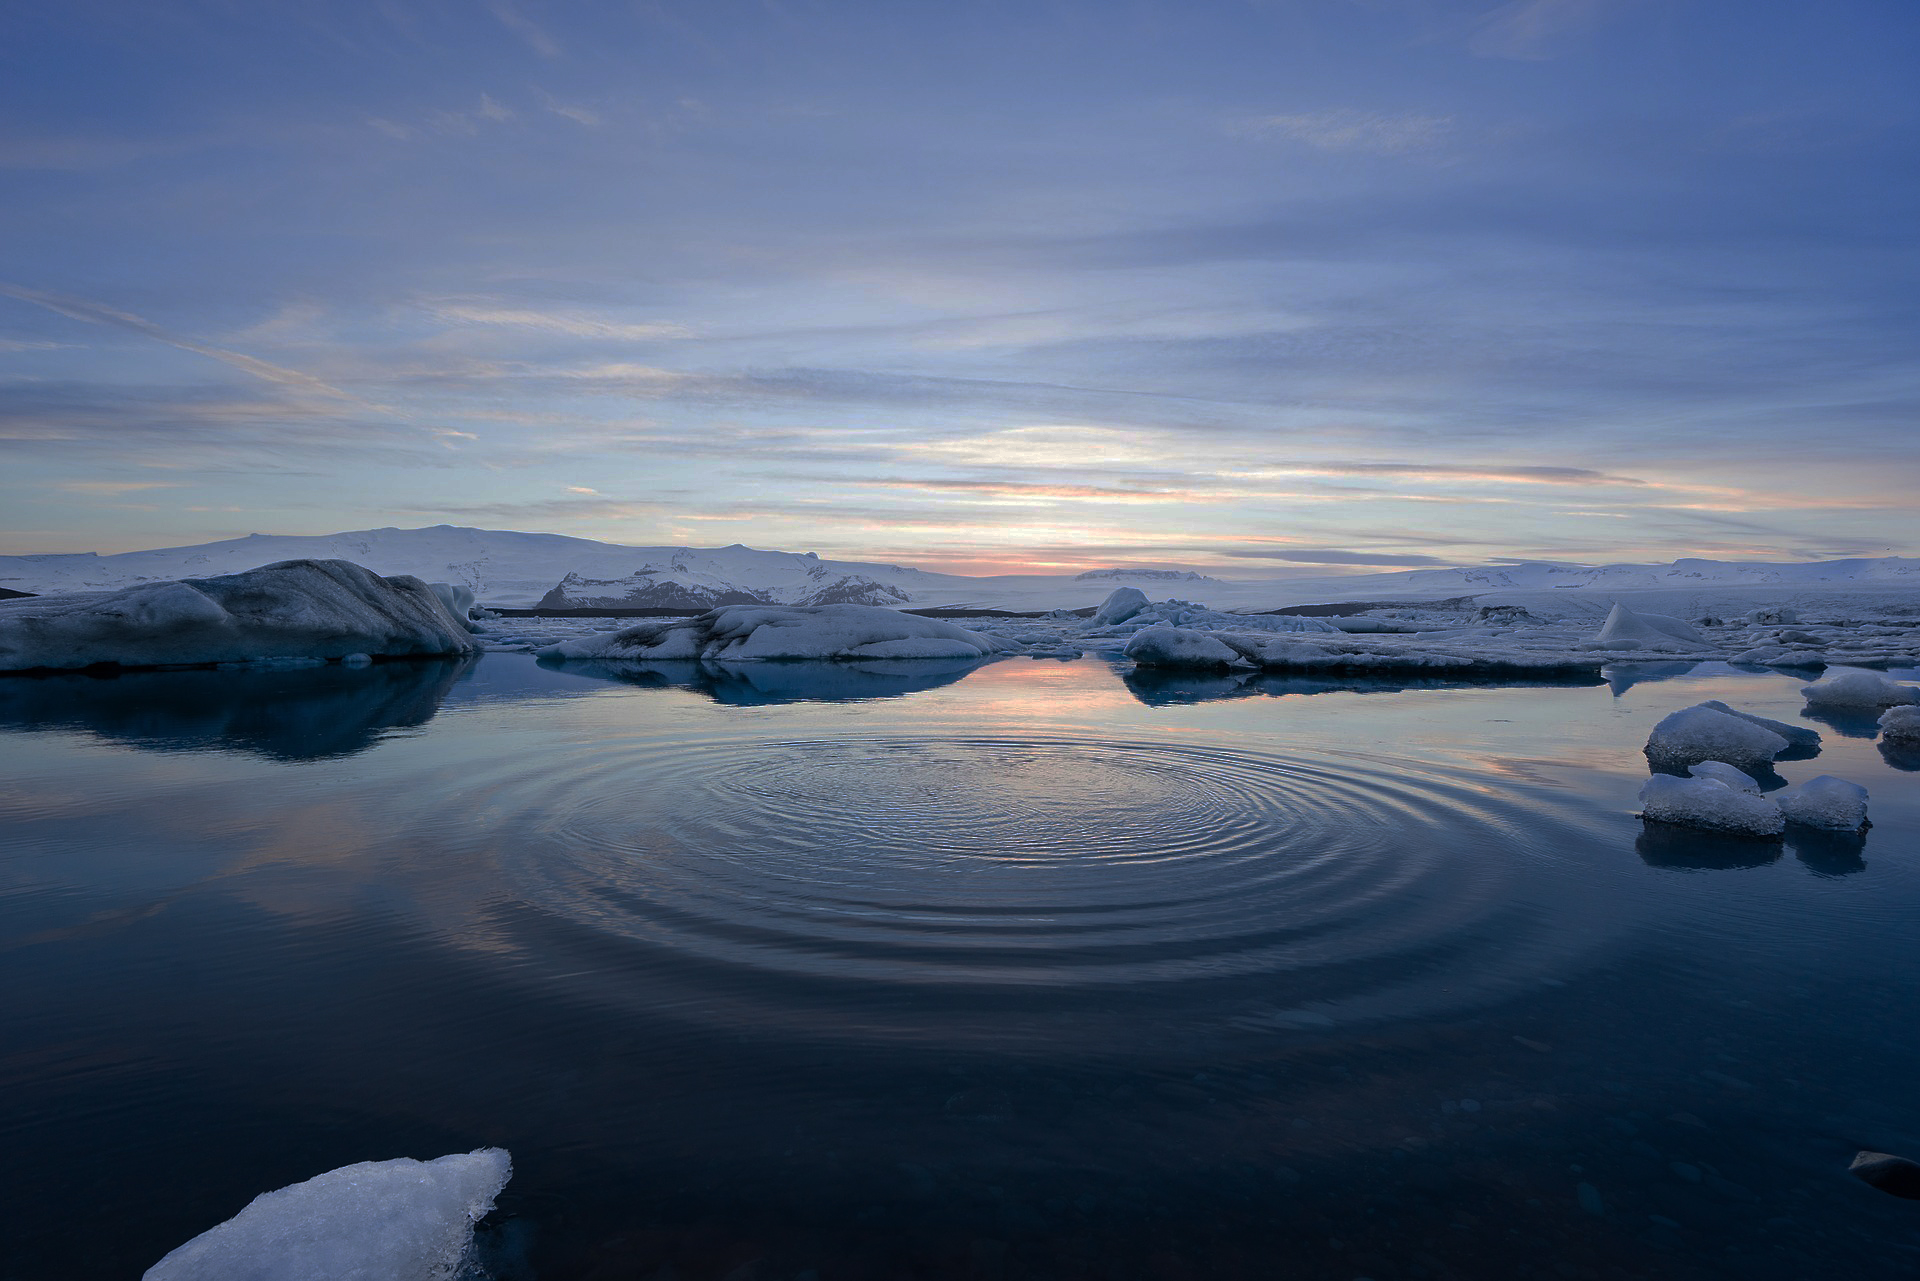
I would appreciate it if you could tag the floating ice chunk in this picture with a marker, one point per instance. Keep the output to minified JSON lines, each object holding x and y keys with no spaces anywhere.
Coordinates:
{"x":1709,"y":804}
{"x":1120,"y":605}
{"x":1827,"y":802}
{"x":398,"y":1220}
{"x":1901,"y":725}
{"x":753,"y":633}
{"x":1798,"y":735}
{"x":1726,"y":775}
{"x":297,"y":609}
{"x":1859,"y":690}
{"x":457,"y":599}
{"x":1625,"y":629}
{"x":1164,"y":646}
{"x":1701,"y":733}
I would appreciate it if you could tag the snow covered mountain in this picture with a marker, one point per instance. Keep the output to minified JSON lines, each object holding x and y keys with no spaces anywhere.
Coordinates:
{"x":504,"y":567}
{"x":1687,"y":572}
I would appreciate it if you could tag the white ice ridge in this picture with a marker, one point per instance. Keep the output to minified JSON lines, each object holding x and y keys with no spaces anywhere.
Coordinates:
{"x":1710,"y":804}
{"x":297,"y":609}
{"x":398,"y":1220}
{"x":1127,"y":611}
{"x":1901,"y":725}
{"x":1626,"y":630}
{"x":1726,"y":775}
{"x":1702,"y":733}
{"x":745,"y":633}
{"x":1165,"y":646}
{"x":1825,"y":801}
{"x":1860,"y":691}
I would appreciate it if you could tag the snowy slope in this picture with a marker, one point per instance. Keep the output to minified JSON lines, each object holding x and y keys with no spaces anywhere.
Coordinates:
{"x":504,"y":567}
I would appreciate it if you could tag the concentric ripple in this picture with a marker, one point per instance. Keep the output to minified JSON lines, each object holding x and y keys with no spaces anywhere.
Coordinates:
{"x":1062,"y":862}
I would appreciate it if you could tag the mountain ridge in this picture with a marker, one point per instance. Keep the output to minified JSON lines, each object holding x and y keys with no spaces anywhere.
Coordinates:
{"x":513,"y":567}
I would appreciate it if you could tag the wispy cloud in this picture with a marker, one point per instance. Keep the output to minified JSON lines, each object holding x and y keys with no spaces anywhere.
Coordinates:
{"x":112,"y":488}
{"x":535,"y":36}
{"x":94,"y":313}
{"x":574,"y":324}
{"x":1345,"y":129}
{"x":1532,"y":30}
{"x":1332,"y":556}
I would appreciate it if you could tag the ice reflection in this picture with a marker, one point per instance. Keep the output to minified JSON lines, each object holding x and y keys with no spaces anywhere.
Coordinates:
{"x":1161,"y":687}
{"x":1690,"y":849}
{"x":293,"y":715}
{"x":763,"y":684}
{"x":1828,"y":853}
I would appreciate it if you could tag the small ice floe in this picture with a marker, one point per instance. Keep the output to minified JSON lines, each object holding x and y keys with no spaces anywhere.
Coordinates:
{"x":1120,"y":605}
{"x":1796,"y":735}
{"x":1894,"y":1175}
{"x":1696,"y":734}
{"x":1726,"y":775}
{"x":295,"y":610}
{"x":1825,"y":802}
{"x":1627,"y":630}
{"x":751,"y":633}
{"x":1165,"y":646}
{"x":1900,"y":726}
{"x":398,"y":1220}
{"x":1859,"y":691}
{"x":1710,"y":805}
{"x":457,"y":599}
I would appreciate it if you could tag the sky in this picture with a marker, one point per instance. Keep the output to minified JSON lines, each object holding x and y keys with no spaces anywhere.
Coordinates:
{"x":1258,"y":286}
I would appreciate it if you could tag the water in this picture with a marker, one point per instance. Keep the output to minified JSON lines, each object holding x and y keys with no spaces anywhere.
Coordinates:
{"x":1032,"y":970}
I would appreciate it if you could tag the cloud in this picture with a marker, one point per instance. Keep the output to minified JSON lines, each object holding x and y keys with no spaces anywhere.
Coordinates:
{"x":1381,"y":133}
{"x":574,"y":111}
{"x":535,"y":36}
{"x":1333,"y":556}
{"x":1531,"y":30}
{"x":572,"y":324}
{"x":1456,"y":471}
{"x":113,"y":488}
{"x":94,"y":313}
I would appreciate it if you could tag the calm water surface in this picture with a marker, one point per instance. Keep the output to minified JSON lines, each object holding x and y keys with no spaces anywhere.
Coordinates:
{"x":1034,"y":970}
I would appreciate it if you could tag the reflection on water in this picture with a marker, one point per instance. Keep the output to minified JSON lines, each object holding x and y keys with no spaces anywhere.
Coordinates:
{"x":1166,"y":687}
{"x":1852,"y":722}
{"x":1828,"y":853}
{"x":1622,"y":677}
{"x":1690,"y":849}
{"x":1013,"y":971}
{"x":764,"y":684}
{"x":295,"y":715}
{"x":1901,"y":756}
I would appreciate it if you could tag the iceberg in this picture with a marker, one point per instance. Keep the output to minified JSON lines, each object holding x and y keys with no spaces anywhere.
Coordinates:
{"x":398,"y":1220}
{"x":1120,"y":605}
{"x":1710,"y":805}
{"x":1696,"y":734}
{"x":1796,"y":735}
{"x":758,"y":633}
{"x":1901,"y":726}
{"x":1826,"y":801}
{"x":1164,"y":646}
{"x":296,"y":609}
{"x":1859,"y":691}
{"x":1627,"y":630}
